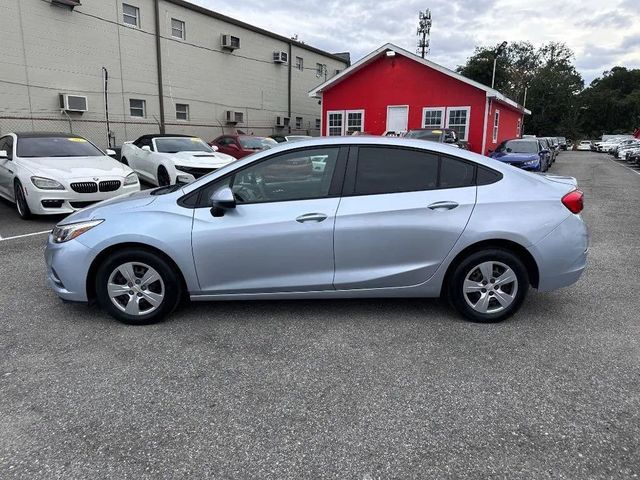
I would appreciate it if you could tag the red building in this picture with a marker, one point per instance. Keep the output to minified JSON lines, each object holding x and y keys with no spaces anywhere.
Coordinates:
{"x":392,"y":89}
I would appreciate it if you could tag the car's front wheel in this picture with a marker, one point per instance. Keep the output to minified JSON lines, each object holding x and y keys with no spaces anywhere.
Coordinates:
{"x":22,"y":206}
{"x":137,"y":287}
{"x":488,"y":286}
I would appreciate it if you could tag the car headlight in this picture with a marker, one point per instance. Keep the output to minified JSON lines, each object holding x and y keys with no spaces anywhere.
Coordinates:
{"x":46,"y":183}
{"x":64,"y":233}
{"x":131,"y":179}
{"x":531,"y":162}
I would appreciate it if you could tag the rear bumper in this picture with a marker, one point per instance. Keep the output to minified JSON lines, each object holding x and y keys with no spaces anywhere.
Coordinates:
{"x":562,"y":255}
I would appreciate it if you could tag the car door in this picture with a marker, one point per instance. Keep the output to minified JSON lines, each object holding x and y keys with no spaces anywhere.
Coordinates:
{"x":7,"y":167}
{"x":279,"y":237}
{"x":401,"y":213}
{"x":143,"y":159}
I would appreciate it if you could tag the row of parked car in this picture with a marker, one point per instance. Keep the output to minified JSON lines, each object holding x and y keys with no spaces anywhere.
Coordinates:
{"x":530,"y":153}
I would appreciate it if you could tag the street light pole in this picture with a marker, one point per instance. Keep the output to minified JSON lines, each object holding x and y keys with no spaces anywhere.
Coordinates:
{"x":498,"y":52}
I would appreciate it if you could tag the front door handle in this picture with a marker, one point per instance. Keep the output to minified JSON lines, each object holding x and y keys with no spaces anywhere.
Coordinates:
{"x":443,"y":206}
{"x":311,"y":217}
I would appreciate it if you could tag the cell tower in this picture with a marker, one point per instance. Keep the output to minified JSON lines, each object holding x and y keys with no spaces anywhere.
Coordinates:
{"x":424,"y":32}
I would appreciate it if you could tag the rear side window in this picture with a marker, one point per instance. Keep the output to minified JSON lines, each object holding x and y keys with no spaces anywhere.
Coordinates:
{"x":455,"y":173}
{"x":393,"y":170}
{"x":487,"y":176}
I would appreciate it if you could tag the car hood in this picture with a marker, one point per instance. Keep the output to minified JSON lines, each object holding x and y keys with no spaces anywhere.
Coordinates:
{"x":202,"y":159}
{"x":75,"y":167}
{"x":514,"y":157}
{"x":121,"y":203}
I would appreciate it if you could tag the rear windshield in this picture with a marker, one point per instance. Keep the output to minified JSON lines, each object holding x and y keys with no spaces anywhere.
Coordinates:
{"x":257,"y":143}
{"x":518,"y":146}
{"x":32,"y":147}
{"x":175,"y":145}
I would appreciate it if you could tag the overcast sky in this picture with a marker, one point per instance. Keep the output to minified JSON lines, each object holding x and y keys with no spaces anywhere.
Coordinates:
{"x":602,"y":33}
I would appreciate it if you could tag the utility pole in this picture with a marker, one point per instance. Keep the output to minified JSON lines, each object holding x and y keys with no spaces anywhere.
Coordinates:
{"x":498,"y":52}
{"x":424,"y":32}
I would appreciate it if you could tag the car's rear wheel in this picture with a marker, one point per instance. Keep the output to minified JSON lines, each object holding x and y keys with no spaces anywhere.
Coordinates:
{"x":488,"y":286}
{"x":163,"y":177}
{"x":22,"y":206}
{"x":137,"y":287}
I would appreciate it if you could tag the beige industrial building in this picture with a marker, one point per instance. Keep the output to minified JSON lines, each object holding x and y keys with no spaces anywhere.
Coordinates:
{"x":165,"y":65}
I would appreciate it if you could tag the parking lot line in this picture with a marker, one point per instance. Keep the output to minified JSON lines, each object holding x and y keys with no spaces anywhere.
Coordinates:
{"x":25,"y":235}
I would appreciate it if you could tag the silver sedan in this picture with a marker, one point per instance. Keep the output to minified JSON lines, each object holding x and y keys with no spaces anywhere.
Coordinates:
{"x":329,"y":218}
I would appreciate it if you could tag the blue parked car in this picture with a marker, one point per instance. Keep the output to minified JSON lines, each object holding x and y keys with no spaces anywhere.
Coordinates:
{"x":525,"y":153}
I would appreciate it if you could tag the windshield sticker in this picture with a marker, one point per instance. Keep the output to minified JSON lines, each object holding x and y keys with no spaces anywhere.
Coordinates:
{"x":436,"y":131}
{"x":79,"y":140}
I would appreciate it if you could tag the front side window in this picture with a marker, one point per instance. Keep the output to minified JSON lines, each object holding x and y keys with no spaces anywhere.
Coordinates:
{"x":334,"y":124}
{"x":355,"y":121}
{"x":137,"y":108}
{"x":177,"y":28}
{"x":182,"y":111}
{"x":300,"y":63}
{"x":392,"y":170}
{"x":256,"y":143}
{"x":458,"y":120}
{"x":35,"y":147}
{"x":130,"y":15}
{"x":300,"y":175}
{"x":433,"y":118}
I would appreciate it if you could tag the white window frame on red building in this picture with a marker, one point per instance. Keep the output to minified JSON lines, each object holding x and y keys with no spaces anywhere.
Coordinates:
{"x":443,"y":114}
{"x":345,"y":126}
{"x":496,"y":126}
{"x":464,"y":137}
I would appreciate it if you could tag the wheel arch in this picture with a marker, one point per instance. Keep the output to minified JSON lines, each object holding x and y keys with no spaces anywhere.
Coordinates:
{"x":509,"y":245}
{"x":91,"y":274}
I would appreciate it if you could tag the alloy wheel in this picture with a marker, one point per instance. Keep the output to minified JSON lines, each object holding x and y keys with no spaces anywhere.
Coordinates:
{"x":490,"y":287}
{"x":136,"y":288}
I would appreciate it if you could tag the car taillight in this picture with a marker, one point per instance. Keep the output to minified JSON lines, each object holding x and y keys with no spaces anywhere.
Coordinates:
{"x":574,"y":201}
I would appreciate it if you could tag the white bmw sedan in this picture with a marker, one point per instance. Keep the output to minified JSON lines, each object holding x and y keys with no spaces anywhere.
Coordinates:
{"x":168,"y":159}
{"x":58,"y":173}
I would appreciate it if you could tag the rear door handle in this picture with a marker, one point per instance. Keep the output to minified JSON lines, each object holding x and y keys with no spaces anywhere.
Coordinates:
{"x":311,"y":217}
{"x":443,"y":206}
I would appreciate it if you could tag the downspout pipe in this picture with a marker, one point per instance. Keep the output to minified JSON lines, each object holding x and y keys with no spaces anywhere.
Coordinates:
{"x":159,"y":67}
{"x":289,"y":88}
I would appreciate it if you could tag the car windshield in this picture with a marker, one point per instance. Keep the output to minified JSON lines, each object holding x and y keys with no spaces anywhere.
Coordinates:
{"x":257,"y":143}
{"x":180,"y":144}
{"x":36,"y":147}
{"x":433,"y":135}
{"x":518,"y":146}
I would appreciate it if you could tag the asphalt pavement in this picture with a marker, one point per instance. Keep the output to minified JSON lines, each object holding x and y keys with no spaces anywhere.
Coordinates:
{"x":360,"y":389}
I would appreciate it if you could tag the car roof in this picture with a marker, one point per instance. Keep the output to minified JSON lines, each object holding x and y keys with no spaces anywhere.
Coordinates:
{"x":45,"y":135}
{"x":150,"y":136}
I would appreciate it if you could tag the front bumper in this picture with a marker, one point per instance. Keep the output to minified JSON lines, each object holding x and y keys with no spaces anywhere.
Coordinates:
{"x":63,"y":202}
{"x":67,"y":268}
{"x":561,"y":256}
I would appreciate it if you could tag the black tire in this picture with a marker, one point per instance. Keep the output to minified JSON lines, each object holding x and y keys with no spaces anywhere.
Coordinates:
{"x":124,"y":160}
{"x":22,"y":207}
{"x":468,"y":266}
{"x":170,"y":281}
{"x":163,"y":177}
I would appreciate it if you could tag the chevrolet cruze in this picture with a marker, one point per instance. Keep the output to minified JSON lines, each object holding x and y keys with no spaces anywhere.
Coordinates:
{"x":377,"y":217}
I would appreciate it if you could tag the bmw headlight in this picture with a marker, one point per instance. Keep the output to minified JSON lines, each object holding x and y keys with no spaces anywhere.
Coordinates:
{"x":46,"y":183}
{"x":131,"y":179}
{"x":64,"y":233}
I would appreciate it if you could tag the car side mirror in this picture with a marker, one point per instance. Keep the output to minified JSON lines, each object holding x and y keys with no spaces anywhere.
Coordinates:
{"x":4,"y":154}
{"x":146,"y":148}
{"x":221,"y":200}
{"x":110,"y":153}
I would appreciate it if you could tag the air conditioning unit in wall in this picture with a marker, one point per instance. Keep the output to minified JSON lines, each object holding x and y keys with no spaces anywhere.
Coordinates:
{"x":73,"y":103}
{"x":280,"y":57}
{"x":231,"y":116}
{"x":230,"y":42}
{"x":282,"y":121}
{"x":66,"y":3}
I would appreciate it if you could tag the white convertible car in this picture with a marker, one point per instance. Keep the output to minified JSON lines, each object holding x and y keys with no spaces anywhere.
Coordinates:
{"x":168,"y":159}
{"x":58,"y":173}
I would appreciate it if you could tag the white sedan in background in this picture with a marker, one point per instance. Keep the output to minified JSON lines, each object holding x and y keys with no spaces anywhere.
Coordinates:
{"x":168,"y":159}
{"x":58,"y":173}
{"x":584,"y":145}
